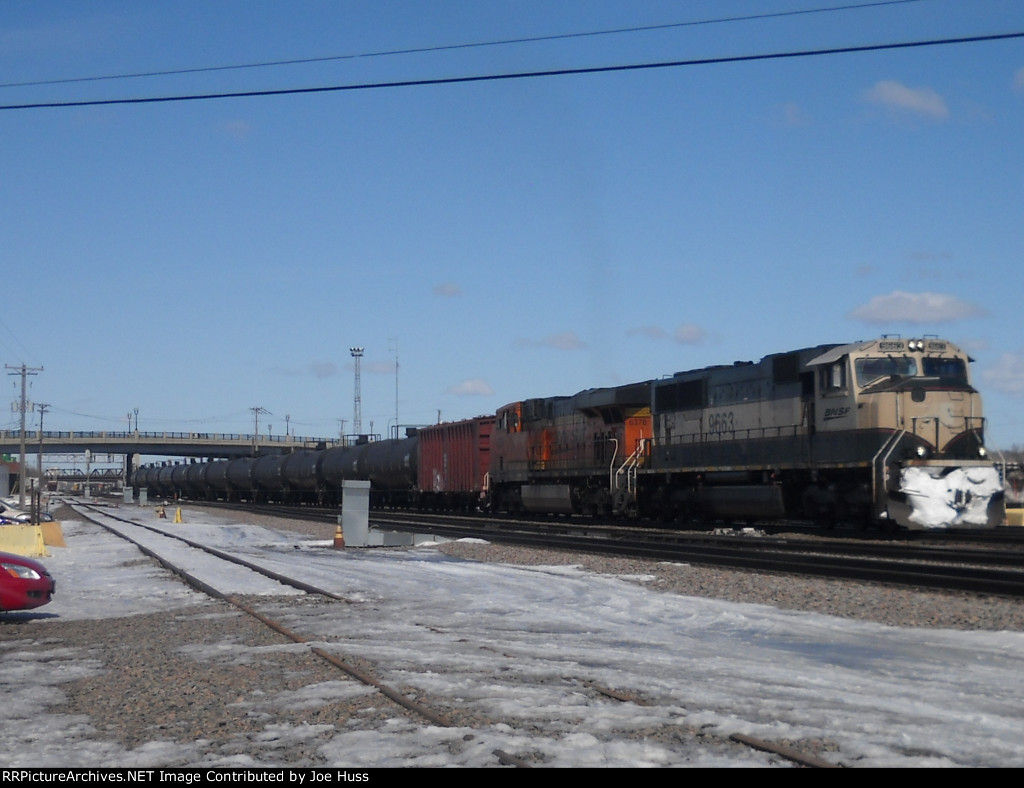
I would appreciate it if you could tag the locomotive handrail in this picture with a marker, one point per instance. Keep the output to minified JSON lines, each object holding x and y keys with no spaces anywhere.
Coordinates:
{"x":878,"y":464}
{"x":612,"y":481}
{"x":778,"y":431}
{"x":629,"y":466}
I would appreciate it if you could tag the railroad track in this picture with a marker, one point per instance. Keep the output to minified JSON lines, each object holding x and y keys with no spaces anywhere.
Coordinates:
{"x":204,"y":571}
{"x":928,"y":561}
{"x":153,"y":541}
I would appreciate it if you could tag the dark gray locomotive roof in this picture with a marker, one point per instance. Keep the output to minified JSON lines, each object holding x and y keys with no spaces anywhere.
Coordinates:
{"x":743,"y":368}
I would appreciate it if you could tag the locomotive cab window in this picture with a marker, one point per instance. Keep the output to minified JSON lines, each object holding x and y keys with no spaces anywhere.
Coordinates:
{"x":949,"y":371}
{"x":833,"y":377}
{"x":873,"y":370}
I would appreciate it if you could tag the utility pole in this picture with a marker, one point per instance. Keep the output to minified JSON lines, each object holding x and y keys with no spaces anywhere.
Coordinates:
{"x":357,"y":416}
{"x":256,"y":411}
{"x":24,"y":372}
{"x":42,"y":407}
{"x":37,"y":496}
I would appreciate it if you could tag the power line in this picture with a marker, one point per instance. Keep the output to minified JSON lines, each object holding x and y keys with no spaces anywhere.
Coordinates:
{"x":453,"y":47}
{"x":518,"y":75}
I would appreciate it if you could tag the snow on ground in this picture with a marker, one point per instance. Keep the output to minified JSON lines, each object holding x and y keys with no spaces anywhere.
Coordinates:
{"x":514,"y":641}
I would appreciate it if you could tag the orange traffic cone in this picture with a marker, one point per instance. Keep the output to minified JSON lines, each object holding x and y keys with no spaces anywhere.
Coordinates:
{"x":339,"y":539}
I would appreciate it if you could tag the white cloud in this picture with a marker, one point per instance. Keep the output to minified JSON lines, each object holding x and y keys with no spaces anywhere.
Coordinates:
{"x":1007,"y":374}
{"x":689,"y":334}
{"x":903,"y":307}
{"x":474,"y":387}
{"x":447,"y":290}
{"x":565,"y":340}
{"x":897,"y":96}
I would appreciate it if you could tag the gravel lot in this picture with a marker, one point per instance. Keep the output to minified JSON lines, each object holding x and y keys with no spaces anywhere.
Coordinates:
{"x":146,"y":688}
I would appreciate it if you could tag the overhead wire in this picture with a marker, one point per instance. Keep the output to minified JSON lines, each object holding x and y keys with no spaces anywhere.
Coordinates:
{"x":469,"y":45}
{"x":519,"y":75}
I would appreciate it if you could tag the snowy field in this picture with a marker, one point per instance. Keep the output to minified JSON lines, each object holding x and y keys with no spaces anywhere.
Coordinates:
{"x":503,"y":639}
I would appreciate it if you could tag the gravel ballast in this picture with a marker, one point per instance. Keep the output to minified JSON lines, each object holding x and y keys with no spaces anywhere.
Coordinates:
{"x":892,"y":605}
{"x":146,"y":687}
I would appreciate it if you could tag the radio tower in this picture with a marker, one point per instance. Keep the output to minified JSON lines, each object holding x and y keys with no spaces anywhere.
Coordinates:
{"x":357,"y":416}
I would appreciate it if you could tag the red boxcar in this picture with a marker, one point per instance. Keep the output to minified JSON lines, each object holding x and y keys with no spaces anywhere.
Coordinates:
{"x":454,"y":462}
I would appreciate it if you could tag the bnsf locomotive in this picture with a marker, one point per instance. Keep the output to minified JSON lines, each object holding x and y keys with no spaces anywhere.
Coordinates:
{"x":886,"y":432}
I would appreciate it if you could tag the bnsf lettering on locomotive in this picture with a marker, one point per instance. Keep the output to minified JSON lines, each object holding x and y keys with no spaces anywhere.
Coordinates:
{"x":721,"y":422}
{"x":836,"y":413}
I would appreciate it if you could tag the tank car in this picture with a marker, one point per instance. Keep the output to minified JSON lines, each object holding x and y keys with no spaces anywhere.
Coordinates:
{"x":390,"y":467}
{"x":195,"y":480}
{"x":301,"y":476}
{"x":216,"y":478}
{"x":267,"y":476}
{"x":239,"y":478}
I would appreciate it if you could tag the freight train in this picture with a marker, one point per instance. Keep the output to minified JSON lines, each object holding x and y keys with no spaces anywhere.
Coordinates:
{"x":887,"y":432}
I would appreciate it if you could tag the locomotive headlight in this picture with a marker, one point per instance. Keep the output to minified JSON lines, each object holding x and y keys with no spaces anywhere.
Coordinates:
{"x":921,"y":452}
{"x":982,"y":451}
{"x":916,"y":344}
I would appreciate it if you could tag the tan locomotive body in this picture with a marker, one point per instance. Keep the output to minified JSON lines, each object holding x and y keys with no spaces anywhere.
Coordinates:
{"x":888,"y":431}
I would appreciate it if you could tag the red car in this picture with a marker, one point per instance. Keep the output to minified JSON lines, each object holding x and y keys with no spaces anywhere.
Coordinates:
{"x":24,"y":583}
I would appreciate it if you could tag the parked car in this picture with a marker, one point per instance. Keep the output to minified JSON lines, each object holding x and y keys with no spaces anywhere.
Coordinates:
{"x":10,"y":513}
{"x":24,"y":583}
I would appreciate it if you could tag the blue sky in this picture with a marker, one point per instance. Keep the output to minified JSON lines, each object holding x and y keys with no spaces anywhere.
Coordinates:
{"x":512,"y":238}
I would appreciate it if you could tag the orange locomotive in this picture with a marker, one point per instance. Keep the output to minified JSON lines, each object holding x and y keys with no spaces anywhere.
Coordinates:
{"x":572,"y":454}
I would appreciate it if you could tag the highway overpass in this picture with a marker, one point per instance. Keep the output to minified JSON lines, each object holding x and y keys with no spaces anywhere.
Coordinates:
{"x":170,"y":444}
